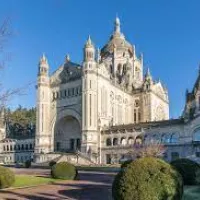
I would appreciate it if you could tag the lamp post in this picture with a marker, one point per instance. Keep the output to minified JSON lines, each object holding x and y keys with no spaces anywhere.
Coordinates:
{"x":99,"y":129}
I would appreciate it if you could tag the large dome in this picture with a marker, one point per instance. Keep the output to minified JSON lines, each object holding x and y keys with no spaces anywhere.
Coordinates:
{"x":117,"y":40}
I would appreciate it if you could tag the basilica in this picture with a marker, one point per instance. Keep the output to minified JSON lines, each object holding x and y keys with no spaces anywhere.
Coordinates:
{"x":101,"y":108}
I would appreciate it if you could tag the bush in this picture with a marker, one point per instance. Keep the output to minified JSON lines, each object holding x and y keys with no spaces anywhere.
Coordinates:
{"x":124,"y":164}
{"x":148,"y":179}
{"x":27,"y":164}
{"x":189,"y":170}
{"x":52,"y":163}
{"x":7,"y":177}
{"x":64,"y":170}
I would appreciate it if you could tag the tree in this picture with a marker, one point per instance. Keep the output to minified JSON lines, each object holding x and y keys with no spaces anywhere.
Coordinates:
{"x":21,"y":122}
{"x":147,"y":149}
{"x":5,"y":34}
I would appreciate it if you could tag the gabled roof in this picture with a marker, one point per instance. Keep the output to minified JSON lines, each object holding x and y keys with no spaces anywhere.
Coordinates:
{"x":70,"y":71}
{"x":191,"y":95}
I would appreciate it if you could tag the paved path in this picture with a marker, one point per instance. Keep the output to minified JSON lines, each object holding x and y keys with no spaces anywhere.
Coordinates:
{"x":91,"y":186}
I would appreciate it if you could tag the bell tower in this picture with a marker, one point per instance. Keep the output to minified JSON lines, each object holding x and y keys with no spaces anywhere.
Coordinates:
{"x":89,"y":100}
{"x":43,"y":137}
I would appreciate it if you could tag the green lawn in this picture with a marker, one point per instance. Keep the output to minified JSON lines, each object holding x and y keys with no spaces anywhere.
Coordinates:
{"x":27,"y":180}
{"x":191,"y":193}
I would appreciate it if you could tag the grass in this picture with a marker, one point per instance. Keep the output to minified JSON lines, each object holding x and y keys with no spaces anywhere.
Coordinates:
{"x":27,"y":180}
{"x":191,"y":193}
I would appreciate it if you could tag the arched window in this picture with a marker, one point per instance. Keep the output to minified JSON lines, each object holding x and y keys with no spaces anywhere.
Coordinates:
{"x":174,"y":138}
{"x":137,"y":113}
{"x":196,"y":135}
{"x":165,"y":138}
{"x":11,"y":148}
{"x":22,"y":147}
{"x":18,"y":147}
{"x":108,"y":142}
{"x":156,"y":138}
{"x":123,"y":141}
{"x":137,"y":103}
{"x":146,"y":139}
{"x":4,"y":148}
{"x":130,"y":140}
{"x":138,"y":140}
{"x":111,"y":69}
{"x":7,"y":148}
{"x":124,"y":68}
{"x":26,"y":146}
{"x":30,"y":146}
{"x":115,"y":141}
{"x":119,"y":68}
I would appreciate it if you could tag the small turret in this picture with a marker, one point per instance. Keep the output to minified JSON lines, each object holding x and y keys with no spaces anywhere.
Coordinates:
{"x":148,"y":74}
{"x":43,"y":66}
{"x":67,"y":58}
{"x":89,"y":50}
{"x":141,"y":58}
{"x":98,"y":55}
{"x":148,"y":81}
{"x":134,"y":54}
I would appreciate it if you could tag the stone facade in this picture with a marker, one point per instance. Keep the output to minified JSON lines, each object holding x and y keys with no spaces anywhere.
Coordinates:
{"x":16,"y":151}
{"x":181,"y":137}
{"x":97,"y":111}
{"x":109,"y":88}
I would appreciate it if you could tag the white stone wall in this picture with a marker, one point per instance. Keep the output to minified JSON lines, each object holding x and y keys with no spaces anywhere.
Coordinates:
{"x":17,"y":150}
{"x":178,"y":139}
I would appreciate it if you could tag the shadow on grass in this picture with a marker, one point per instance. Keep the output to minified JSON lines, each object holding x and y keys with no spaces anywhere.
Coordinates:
{"x":92,"y":186}
{"x":75,"y":191}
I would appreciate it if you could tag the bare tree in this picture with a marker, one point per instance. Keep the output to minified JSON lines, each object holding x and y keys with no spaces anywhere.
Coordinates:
{"x":5,"y":34}
{"x":148,"y":149}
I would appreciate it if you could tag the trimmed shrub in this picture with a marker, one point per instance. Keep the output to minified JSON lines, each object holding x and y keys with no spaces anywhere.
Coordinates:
{"x":189,"y":170}
{"x":27,"y":164}
{"x":124,"y":164}
{"x":148,"y":179}
{"x":52,"y":163}
{"x":64,"y":170}
{"x":7,"y":177}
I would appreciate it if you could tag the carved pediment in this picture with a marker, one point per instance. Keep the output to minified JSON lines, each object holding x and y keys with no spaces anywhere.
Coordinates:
{"x":68,"y":72}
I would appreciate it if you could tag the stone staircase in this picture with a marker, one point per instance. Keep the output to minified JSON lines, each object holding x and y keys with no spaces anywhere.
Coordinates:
{"x":76,"y":158}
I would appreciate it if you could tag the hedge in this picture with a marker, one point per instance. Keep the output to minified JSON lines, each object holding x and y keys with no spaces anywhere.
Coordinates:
{"x":148,"y":179}
{"x":64,"y":170}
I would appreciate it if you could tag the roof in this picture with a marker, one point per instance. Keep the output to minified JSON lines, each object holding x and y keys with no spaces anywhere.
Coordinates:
{"x":116,"y":41}
{"x":191,"y":95}
{"x":149,"y":124}
{"x":70,"y":71}
{"x":73,"y":70}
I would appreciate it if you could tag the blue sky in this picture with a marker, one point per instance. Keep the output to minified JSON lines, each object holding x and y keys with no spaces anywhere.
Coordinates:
{"x":167,"y":32}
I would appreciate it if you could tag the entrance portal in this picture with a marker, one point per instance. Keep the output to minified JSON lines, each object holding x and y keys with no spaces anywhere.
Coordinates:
{"x":67,"y":135}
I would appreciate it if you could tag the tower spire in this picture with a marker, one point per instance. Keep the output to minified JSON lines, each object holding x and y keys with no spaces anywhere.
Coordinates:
{"x":89,"y":41}
{"x":117,"y":25}
{"x":67,"y":58}
{"x":43,"y":59}
{"x":148,"y":72}
{"x":89,"y":50}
